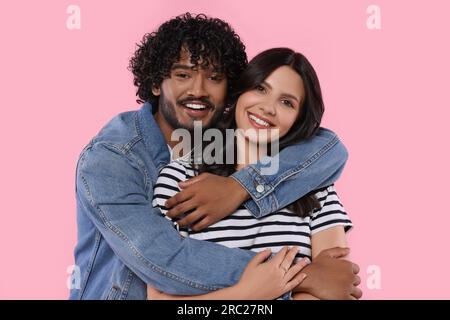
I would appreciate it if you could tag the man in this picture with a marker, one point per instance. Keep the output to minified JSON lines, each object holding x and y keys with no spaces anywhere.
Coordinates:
{"x":182,"y":73}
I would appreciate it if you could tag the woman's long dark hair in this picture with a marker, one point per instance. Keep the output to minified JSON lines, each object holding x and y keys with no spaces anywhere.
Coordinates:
{"x":305,"y":126}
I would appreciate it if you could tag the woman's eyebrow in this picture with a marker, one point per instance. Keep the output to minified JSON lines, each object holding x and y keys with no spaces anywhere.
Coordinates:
{"x":287,"y":95}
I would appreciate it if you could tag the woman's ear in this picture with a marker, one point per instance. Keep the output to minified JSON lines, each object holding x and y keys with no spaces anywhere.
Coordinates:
{"x":156,"y":90}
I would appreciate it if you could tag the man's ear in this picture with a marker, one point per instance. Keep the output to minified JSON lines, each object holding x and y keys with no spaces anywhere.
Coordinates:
{"x":156,"y":90}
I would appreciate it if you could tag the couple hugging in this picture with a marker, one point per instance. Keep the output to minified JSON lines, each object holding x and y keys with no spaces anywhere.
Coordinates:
{"x":153,"y":224}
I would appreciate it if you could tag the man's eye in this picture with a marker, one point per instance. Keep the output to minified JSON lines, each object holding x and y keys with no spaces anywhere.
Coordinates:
{"x":215,"y":78}
{"x":182,"y":75}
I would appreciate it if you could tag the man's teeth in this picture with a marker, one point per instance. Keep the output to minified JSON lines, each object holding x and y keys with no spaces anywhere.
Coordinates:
{"x":195,"y":106}
{"x":259,"y":121}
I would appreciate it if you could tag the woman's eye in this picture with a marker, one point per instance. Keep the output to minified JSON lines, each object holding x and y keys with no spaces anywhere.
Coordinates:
{"x":287,"y":103}
{"x":260,"y":88}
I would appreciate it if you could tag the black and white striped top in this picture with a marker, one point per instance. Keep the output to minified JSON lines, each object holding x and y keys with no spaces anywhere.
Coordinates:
{"x":243,"y":230}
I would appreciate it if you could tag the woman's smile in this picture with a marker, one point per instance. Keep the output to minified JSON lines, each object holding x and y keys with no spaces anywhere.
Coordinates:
{"x":258,"y":121}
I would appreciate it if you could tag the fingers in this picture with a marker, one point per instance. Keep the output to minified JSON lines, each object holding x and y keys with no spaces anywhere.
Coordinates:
{"x":356,"y":293}
{"x":279,"y":257}
{"x":191,"y":218}
{"x":289,"y":258}
{"x":357,"y":281}
{"x":201,"y":224}
{"x":181,"y":208}
{"x":187,"y":183}
{"x":355,"y":268}
{"x":337,"y":252}
{"x":180,"y":197}
{"x":295,"y":281}
{"x":260,"y":257}
{"x":296,"y":268}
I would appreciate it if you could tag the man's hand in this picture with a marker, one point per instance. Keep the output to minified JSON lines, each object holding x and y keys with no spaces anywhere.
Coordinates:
{"x":331,"y":278}
{"x":209,"y":197}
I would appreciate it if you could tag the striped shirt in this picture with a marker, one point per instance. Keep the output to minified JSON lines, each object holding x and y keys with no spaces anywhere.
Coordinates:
{"x":242,"y":230}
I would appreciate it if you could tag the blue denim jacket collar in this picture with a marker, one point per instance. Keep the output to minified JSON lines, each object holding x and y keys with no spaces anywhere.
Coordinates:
{"x":152,"y":136}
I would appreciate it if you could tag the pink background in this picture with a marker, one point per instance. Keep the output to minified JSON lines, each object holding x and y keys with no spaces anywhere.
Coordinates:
{"x":386,"y":94}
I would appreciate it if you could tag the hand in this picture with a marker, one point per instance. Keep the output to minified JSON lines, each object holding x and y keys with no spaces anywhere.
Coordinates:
{"x":332,"y":278}
{"x":270,"y":279}
{"x":210,"y":198}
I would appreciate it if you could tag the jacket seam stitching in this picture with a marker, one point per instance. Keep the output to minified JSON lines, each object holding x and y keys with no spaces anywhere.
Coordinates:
{"x":91,"y":263}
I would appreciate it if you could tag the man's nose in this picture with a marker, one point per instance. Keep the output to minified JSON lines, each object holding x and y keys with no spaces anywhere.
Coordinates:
{"x":197,"y":88}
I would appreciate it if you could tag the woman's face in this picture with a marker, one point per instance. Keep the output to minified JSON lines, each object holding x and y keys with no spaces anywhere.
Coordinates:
{"x":274,"y":104}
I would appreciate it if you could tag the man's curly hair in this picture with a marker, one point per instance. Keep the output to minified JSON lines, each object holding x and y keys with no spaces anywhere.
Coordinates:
{"x":210,"y":40}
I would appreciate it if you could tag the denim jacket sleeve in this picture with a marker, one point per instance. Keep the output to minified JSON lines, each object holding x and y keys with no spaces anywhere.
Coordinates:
{"x":297,"y":170}
{"x":115,"y":192}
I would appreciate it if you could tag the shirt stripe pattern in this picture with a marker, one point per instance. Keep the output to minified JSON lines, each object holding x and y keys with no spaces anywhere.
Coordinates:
{"x":242,"y":230}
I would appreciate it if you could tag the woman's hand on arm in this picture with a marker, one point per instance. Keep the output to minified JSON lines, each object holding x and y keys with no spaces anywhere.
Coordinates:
{"x":262,"y":279}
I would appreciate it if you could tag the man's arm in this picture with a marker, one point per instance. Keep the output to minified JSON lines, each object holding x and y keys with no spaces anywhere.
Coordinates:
{"x":114,"y":191}
{"x":301,"y":168}
{"x":297,"y":170}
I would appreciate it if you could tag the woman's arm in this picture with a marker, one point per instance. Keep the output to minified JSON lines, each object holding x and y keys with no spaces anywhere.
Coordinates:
{"x":329,"y":238}
{"x":326,"y":239}
{"x":261,"y":279}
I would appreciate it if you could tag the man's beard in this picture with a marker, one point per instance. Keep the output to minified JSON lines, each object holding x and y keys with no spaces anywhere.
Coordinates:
{"x":168,"y":111}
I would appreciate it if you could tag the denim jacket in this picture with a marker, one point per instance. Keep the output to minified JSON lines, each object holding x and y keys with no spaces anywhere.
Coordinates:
{"x":124,"y":243}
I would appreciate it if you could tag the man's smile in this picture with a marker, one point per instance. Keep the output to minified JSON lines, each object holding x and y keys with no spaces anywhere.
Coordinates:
{"x":196,"y":109}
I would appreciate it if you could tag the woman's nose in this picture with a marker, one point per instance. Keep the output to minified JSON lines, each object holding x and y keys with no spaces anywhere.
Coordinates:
{"x":268,"y":108}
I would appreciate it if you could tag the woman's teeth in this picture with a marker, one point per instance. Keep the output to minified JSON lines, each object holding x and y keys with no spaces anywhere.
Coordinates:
{"x":195,"y":106}
{"x":259,"y":121}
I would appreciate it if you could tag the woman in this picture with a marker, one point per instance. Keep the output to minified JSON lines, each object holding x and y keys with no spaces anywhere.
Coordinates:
{"x":278,"y":97}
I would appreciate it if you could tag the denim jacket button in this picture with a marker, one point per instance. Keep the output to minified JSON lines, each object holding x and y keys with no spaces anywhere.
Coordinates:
{"x":260,"y":188}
